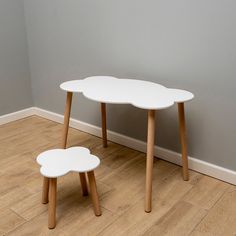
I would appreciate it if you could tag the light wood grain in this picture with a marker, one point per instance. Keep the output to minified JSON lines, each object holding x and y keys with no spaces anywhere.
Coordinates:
{"x":66,"y":119}
{"x":183,"y":140}
{"x":104,"y":124}
{"x":133,"y":220}
{"x":83,"y":182}
{"x":52,"y":203}
{"x":94,"y":193}
{"x":206,"y":192}
{"x":9,"y":220}
{"x":29,"y":207}
{"x":45,"y":190}
{"x":181,"y":219}
{"x":149,"y":165}
{"x":221,"y":218}
{"x":201,"y":206}
{"x":64,"y":143}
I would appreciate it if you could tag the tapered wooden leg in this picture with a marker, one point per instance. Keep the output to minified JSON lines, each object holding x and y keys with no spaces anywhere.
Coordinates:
{"x":66,"y":118}
{"x":94,"y":194}
{"x":149,"y":165}
{"x":52,"y":203}
{"x":183,"y":140}
{"x":65,"y":135}
{"x":104,"y":124}
{"x":83,"y":182}
{"x":64,"y":141}
{"x":45,"y":190}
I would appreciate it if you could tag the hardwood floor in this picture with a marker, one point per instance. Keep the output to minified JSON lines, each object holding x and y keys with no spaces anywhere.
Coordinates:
{"x":201,"y":206}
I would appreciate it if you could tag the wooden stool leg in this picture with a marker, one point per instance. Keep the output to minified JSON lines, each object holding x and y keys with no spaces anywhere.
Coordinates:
{"x":183,"y":140}
{"x":45,"y":190}
{"x":52,"y":203}
{"x":83,"y":182}
{"x":104,"y":124}
{"x":94,"y":194}
{"x":66,"y":119}
{"x":149,"y":161}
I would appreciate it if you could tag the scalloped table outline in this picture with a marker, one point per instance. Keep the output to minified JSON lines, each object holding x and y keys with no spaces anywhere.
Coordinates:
{"x":142,"y":94}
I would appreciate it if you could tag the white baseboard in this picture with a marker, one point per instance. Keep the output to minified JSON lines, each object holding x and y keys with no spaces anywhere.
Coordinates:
{"x":203,"y":167}
{"x":16,"y":115}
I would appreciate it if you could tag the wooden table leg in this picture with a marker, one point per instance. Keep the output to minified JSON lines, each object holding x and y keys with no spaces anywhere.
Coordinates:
{"x":66,"y":119}
{"x":94,"y":193}
{"x":52,"y":203}
{"x":149,"y":161}
{"x":183,"y":140}
{"x":64,"y":141}
{"x":65,"y":135}
{"x":104,"y":124}
{"x":45,"y":190}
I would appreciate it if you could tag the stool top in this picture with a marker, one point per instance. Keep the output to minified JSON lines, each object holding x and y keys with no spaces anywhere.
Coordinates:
{"x":58,"y":162}
{"x":139,"y":93}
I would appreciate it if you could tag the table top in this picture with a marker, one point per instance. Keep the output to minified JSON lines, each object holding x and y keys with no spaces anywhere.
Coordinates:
{"x":139,"y":93}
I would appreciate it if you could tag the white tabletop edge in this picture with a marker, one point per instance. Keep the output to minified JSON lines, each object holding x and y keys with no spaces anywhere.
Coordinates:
{"x":105,"y":89}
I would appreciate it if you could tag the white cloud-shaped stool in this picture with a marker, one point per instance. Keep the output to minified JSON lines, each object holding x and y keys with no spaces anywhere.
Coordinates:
{"x":58,"y":162}
{"x":139,"y":93}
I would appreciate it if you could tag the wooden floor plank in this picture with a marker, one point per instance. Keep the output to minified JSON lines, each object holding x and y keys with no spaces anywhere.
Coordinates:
{"x":9,"y":220}
{"x":221,"y":219}
{"x":134,"y":221}
{"x":181,"y":219}
{"x":206,"y":192}
{"x":201,"y":206}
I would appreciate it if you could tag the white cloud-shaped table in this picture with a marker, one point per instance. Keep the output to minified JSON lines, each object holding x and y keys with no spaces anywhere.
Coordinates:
{"x":142,"y":94}
{"x":58,"y":162}
{"x":139,"y":93}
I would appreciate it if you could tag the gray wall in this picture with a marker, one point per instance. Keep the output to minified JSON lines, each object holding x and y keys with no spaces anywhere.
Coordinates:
{"x":187,"y":44}
{"x":15,"y":89}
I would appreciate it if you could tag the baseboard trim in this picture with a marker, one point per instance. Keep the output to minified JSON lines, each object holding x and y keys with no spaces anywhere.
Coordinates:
{"x":203,"y":167}
{"x":16,"y":115}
